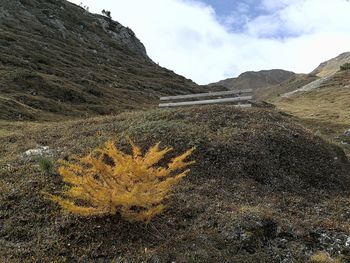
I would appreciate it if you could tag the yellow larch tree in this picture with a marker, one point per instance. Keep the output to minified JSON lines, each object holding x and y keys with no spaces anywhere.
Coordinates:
{"x":109,"y":181}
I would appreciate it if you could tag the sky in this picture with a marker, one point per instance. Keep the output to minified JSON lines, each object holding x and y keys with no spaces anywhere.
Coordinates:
{"x":210,"y":40}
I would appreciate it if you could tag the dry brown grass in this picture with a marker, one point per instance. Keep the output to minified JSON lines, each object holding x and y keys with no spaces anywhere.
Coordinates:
{"x":330,"y":104}
{"x":325,"y":110}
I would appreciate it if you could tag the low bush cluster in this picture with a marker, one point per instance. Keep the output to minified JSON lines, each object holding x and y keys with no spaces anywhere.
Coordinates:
{"x":109,"y":181}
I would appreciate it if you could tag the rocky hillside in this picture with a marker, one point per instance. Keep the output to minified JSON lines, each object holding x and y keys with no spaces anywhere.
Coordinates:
{"x":270,"y":84}
{"x":323,"y":105}
{"x":290,"y":85}
{"x":328,"y":74}
{"x":333,"y":95}
{"x":57,"y":59}
{"x":331,"y":66}
{"x":255,"y":80}
{"x":301,"y":83}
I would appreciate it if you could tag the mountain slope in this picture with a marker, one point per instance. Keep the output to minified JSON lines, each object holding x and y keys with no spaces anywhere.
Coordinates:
{"x":324,"y":73}
{"x":57,"y":60}
{"x":317,"y":83}
{"x":290,"y":85}
{"x":331,"y":66}
{"x":332,"y":96}
{"x":255,"y":80}
{"x":270,"y":84}
{"x":304,"y":82}
{"x":325,"y":109}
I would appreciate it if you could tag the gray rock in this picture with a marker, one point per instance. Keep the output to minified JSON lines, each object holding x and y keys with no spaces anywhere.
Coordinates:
{"x":60,"y":26}
{"x":347,"y":133}
{"x":123,"y":35}
{"x":347,"y":243}
{"x":40,"y":151}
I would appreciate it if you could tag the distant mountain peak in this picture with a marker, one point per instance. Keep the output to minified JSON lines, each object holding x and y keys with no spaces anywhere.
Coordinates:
{"x":255,"y":79}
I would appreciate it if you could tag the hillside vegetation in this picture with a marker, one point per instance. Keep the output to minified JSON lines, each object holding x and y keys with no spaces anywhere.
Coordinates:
{"x":264,"y":190}
{"x":58,"y":60}
{"x":274,"y":91}
{"x":325,"y":109}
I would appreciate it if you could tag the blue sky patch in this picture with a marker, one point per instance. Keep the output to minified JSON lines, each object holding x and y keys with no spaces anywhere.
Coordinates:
{"x":236,"y":14}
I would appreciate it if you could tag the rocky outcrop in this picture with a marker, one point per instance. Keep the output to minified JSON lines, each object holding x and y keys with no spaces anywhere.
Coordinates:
{"x":123,"y":35}
{"x":51,"y":15}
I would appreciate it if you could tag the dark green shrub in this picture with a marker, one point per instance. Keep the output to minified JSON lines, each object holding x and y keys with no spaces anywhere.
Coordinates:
{"x":345,"y":66}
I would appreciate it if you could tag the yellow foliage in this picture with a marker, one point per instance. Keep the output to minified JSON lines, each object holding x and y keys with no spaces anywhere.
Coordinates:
{"x":109,"y":181}
{"x":323,"y":257}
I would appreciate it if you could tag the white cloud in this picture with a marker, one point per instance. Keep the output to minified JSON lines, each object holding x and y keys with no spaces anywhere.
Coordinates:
{"x":299,"y":17}
{"x":273,"y":5}
{"x":187,"y":37}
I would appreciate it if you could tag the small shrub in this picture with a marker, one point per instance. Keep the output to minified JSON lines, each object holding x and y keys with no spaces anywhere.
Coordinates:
{"x":106,"y":13}
{"x":345,"y":66}
{"x":46,"y":165}
{"x":109,"y":181}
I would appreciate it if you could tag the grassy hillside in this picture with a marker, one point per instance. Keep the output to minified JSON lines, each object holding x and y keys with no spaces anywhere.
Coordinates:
{"x":263,"y":190}
{"x":274,"y":91}
{"x":326,"y":109}
{"x":58,"y":60}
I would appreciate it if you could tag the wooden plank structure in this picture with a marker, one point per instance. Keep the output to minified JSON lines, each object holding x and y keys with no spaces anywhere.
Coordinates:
{"x":242,"y":97}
